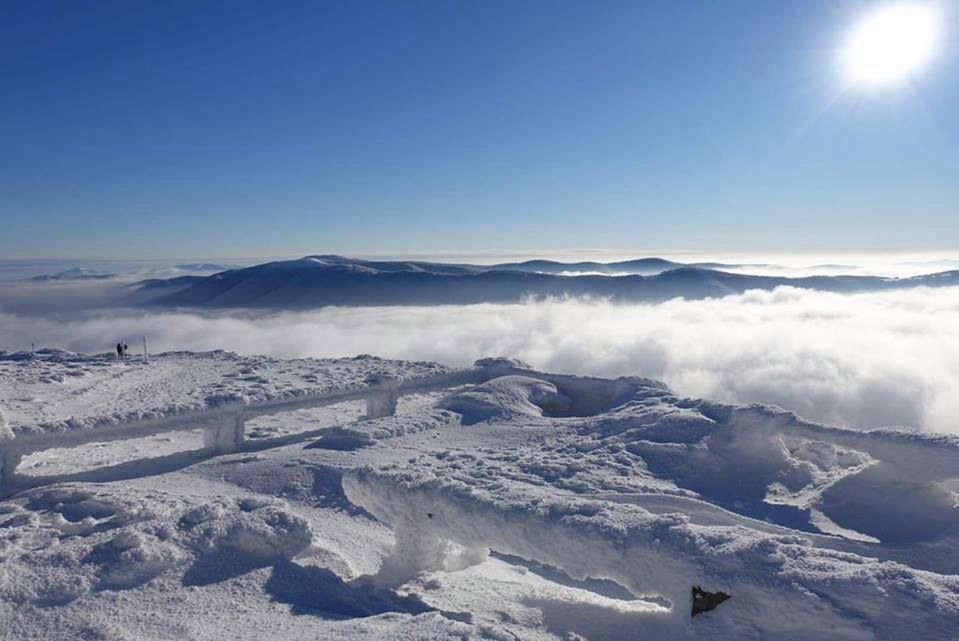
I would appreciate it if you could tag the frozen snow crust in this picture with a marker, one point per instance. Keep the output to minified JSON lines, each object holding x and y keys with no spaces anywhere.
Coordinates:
{"x":528,"y":505}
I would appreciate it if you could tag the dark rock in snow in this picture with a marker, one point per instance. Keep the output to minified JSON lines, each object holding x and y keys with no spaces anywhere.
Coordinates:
{"x":704,"y":601}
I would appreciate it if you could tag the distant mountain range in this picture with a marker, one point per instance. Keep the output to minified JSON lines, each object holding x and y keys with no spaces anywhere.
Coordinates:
{"x":77,"y":273}
{"x":638,"y":267}
{"x":83,"y":273}
{"x":317,"y":281}
{"x":205,"y":267}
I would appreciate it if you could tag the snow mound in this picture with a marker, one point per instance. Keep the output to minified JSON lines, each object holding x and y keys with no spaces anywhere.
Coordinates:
{"x":253,"y":528}
{"x":133,"y":558}
{"x":64,"y":543}
{"x":780,"y":585}
{"x":258,"y":533}
{"x":506,"y":397}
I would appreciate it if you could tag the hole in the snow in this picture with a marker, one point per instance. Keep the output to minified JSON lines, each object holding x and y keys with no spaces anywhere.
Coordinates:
{"x":517,"y":395}
{"x":592,"y":396}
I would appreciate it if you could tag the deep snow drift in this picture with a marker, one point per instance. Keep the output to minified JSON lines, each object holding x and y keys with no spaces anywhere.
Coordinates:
{"x":524,"y":505}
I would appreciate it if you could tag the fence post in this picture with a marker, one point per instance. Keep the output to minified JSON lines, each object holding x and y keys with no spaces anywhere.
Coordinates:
{"x":9,"y":460}
{"x":225,"y":435}
{"x":384,"y":392}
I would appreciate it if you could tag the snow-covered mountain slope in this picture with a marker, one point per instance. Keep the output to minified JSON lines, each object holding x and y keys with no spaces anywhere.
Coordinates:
{"x":316,"y":281}
{"x":530,"y":506}
{"x":639,"y":266}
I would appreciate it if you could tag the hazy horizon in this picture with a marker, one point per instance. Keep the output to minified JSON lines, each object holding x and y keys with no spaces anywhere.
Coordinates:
{"x":798,"y":259}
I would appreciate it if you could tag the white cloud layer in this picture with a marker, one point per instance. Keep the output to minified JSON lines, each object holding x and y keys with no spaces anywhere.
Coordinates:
{"x":866,"y":360}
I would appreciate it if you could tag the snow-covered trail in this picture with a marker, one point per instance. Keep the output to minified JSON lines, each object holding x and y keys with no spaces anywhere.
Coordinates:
{"x":531,"y":506}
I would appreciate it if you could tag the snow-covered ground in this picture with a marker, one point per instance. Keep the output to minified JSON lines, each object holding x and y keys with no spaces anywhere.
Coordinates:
{"x":528,"y":506}
{"x":57,"y":391}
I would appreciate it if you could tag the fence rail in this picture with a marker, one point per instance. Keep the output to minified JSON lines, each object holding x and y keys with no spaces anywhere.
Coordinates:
{"x":223,"y":427}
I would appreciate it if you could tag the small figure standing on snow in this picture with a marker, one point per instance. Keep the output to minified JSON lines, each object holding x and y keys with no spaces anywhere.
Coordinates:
{"x":119,"y":350}
{"x":124,"y":350}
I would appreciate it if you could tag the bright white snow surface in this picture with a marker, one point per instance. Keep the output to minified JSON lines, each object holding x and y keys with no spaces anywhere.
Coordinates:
{"x":56,"y":391}
{"x":530,"y":506}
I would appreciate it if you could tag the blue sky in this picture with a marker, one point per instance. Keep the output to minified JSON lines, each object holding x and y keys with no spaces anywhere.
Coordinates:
{"x":165,"y":129}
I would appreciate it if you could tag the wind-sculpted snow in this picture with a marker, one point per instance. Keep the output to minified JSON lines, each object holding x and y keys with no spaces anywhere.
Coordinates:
{"x":529,"y":505}
{"x":814,"y":530}
{"x":781,"y":585}
{"x":87,"y":541}
{"x":507,"y":396}
{"x":56,"y":391}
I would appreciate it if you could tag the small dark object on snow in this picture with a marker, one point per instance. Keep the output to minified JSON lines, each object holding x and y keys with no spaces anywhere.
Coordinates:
{"x":429,"y":514}
{"x":704,"y":601}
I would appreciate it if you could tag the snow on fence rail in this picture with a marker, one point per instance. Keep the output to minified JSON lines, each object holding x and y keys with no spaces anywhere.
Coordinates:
{"x":224,"y":425}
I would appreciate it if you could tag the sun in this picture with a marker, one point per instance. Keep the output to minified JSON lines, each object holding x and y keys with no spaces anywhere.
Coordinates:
{"x":891,"y":43}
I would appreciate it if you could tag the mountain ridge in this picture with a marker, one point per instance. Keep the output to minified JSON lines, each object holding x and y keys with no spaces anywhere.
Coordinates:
{"x":325,"y":280}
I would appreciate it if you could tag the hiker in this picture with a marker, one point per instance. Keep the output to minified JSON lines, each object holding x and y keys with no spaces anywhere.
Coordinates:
{"x":125,"y":355}
{"x":119,"y":350}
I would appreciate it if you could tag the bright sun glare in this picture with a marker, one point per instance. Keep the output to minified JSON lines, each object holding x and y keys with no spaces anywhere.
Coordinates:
{"x":890,"y":43}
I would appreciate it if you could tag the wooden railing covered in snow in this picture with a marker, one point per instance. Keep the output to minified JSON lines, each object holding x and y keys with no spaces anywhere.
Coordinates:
{"x":224,"y":426}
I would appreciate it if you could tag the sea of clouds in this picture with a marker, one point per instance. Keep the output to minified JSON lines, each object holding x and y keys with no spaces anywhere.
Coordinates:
{"x":865,"y":360}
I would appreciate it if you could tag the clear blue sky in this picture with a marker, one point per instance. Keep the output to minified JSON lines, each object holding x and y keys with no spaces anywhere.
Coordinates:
{"x":164,"y":129}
